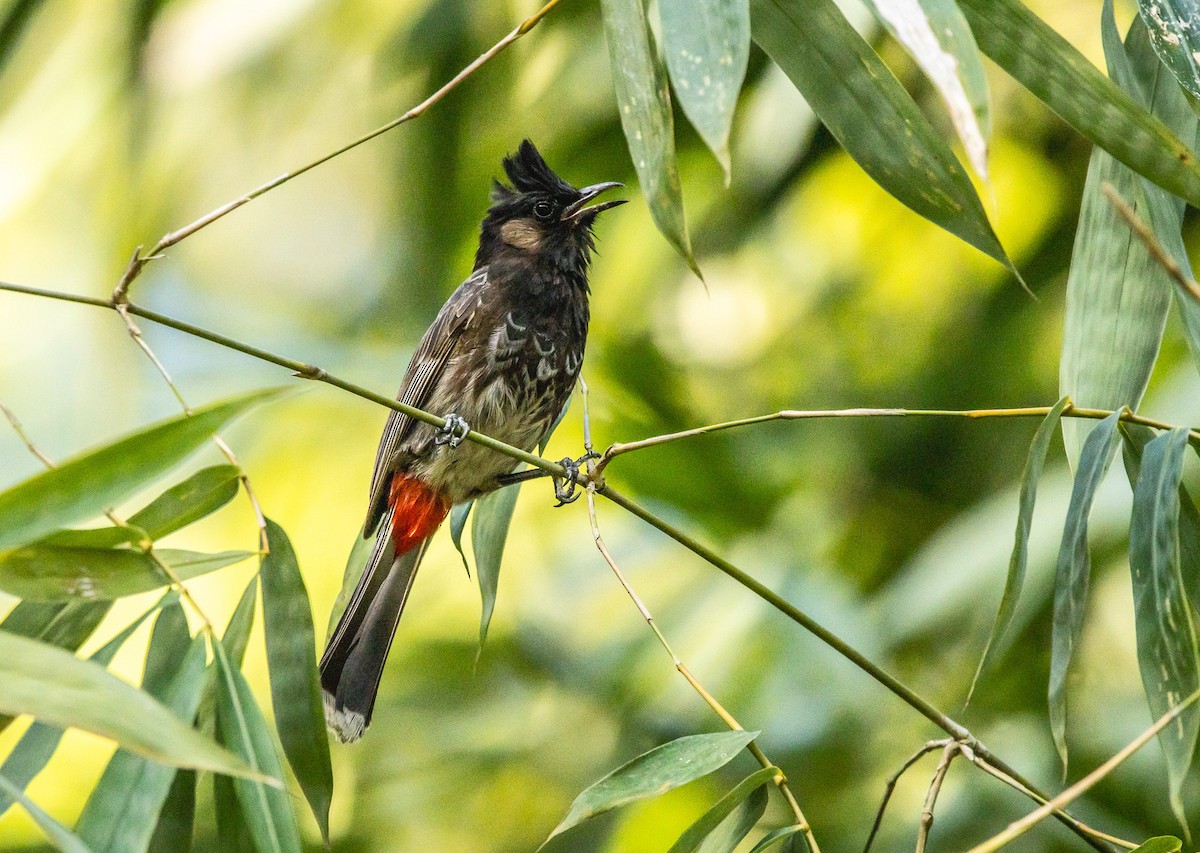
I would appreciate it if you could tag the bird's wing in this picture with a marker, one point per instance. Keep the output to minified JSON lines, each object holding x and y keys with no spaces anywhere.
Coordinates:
{"x":424,"y":370}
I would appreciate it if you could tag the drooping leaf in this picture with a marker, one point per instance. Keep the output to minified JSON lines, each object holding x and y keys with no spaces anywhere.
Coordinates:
{"x":200,"y":495}
{"x":1017,"y":563}
{"x":356,"y":563}
{"x":489,"y":531}
{"x":237,"y":632}
{"x":1168,"y":652}
{"x":1073,"y":571}
{"x":940,"y":40}
{"x":83,"y":487}
{"x":707,"y":46}
{"x":50,"y":573}
{"x":459,"y":514}
{"x":1118,"y":295}
{"x":1172,"y":28}
{"x":655,"y":772}
{"x":55,"y":832}
{"x":177,"y":818}
{"x":644,"y":103}
{"x":59,"y":689}
{"x":705,"y":833}
{"x":121,"y":814}
{"x":1052,"y":69}
{"x":266,"y":810}
{"x":292,"y":664}
{"x":775,"y":836}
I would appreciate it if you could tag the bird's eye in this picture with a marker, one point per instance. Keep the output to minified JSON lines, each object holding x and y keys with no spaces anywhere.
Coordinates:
{"x":543,"y":210}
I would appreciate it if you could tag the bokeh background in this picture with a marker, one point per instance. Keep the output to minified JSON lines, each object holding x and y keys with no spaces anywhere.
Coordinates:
{"x":123,"y":119}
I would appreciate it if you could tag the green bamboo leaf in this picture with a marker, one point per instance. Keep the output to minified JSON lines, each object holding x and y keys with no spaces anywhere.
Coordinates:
{"x":1074,"y":570}
{"x":1172,"y":28}
{"x":1118,"y":295}
{"x":237,"y":632}
{"x":775,"y":836}
{"x":83,"y":487}
{"x":356,"y":562}
{"x":707,"y":46}
{"x":292,"y":664}
{"x":177,"y":818}
{"x":200,"y":495}
{"x":644,"y":103}
{"x":459,"y":514}
{"x":938,"y":37}
{"x":1160,"y":844}
{"x":1015,"y":582}
{"x":871,"y":115}
{"x":233,"y":833}
{"x":55,"y":832}
{"x":655,"y":772}
{"x":37,"y":745}
{"x":489,"y":531}
{"x":1168,"y":652}
{"x":60,"y":689}
{"x":48,"y":573}
{"x":97,"y":537}
{"x":703,"y":835}
{"x":1048,"y":66}
{"x":121,"y":814}
{"x":266,"y":810}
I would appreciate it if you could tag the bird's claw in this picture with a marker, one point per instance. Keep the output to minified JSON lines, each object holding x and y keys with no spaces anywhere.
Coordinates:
{"x":564,"y":489}
{"x":453,"y":431}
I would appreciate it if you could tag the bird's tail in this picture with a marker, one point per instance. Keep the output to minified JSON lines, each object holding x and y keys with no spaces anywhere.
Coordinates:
{"x":358,"y":648}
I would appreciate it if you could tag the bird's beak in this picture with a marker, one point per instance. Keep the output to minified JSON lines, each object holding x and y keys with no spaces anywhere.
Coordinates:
{"x":580,"y":208}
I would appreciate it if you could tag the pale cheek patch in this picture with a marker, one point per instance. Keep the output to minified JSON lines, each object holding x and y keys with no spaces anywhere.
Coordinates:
{"x":521,"y":234}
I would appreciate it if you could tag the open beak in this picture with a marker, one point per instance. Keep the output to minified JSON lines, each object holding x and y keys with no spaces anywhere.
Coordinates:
{"x":581,"y":208}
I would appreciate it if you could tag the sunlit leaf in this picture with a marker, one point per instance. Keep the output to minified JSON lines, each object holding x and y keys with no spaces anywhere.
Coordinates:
{"x":83,"y":487}
{"x":1017,"y":563}
{"x":655,"y":772}
{"x":292,"y":665}
{"x":1172,"y":28}
{"x":200,"y":495}
{"x":267,"y":810}
{"x":775,"y":836}
{"x":707,"y":46}
{"x":1052,"y":69}
{"x":58,"y":688}
{"x":715,"y":829}
{"x":644,"y":103}
{"x":1168,"y":653}
{"x":1073,"y":571}
{"x":871,"y":115}
{"x":47,"y":573}
{"x":58,"y":835}
{"x":489,"y":530}
{"x":939,"y":39}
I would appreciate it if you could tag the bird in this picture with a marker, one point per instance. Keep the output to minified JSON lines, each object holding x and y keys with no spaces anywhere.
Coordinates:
{"x":501,"y":357}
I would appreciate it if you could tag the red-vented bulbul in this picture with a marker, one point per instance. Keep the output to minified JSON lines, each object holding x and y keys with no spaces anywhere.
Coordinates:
{"x":502,"y":356}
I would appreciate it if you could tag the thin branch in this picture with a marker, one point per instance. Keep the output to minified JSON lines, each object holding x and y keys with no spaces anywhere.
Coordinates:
{"x":1020,"y":827}
{"x":139,"y":261}
{"x":1146,"y":235}
{"x":916,"y":701}
{"x":889,"y":787}
{"x":935,"y":788}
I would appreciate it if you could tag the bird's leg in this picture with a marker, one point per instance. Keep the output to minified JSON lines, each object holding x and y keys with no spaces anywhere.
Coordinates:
{"x":453,"y":431}
{"x":564,"y":489}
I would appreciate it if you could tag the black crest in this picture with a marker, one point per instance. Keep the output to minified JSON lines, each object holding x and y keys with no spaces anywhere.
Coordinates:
{"x":529,"y":173}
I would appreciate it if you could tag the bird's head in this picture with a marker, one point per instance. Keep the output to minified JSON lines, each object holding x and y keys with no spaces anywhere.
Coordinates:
{"x":540,"y":217}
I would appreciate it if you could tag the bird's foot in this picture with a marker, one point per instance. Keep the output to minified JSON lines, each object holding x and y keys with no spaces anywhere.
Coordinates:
{"x":564,"y":489}
{"x":453,"y":431}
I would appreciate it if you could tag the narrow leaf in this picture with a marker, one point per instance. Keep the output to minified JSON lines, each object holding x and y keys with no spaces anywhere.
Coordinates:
{"x":871,"y":115}
{"x":1160,"y":844}
{"x":1074,"y":570}
{"x":655,"y":772}
{"x":775,"y":836}
{"x":644,"y":103}
{"x":83,"y":487}
{"x":55,"y":832}
{"x":59,"y":689}
{"x":99,"y":537}
{"x":356,"y":562}
{"x":701,"y":834}
{"x":730,"y":832}
{"x":200,"y":495}
{"x":1168,"y":653}
{"x":295,"y":685}
{"x":459,"y":514}
{"x":707,"y":46}
{"x":177,"y":818}
{"x":937,"y":36}
{"x":237,"y":632}
{"x":1015,"y":582}
{"x":267,"y":810}
{"x":489,"y":531}
{"x":1172,"y":28}
{"x":49,"y":573}
{"x":1052,"y":69}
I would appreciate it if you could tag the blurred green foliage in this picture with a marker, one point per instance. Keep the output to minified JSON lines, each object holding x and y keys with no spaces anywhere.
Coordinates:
{"x":123,"y":119}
